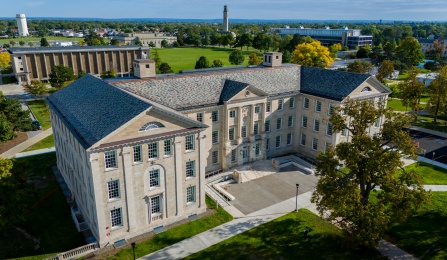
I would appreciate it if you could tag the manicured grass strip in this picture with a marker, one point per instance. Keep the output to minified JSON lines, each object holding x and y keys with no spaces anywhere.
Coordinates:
{"x":283,"y":239}
{"x":396,"y":104}
{"x":41,"y":111}
{"x":427,"y":122}
{"x":177,"y":234}
{"x":430,"y":174}
{"x":425,"y":233}
{"x":47,"y":142}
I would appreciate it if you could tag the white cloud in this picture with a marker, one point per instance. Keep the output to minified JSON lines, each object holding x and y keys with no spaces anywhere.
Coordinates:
{"x":31,"y":4}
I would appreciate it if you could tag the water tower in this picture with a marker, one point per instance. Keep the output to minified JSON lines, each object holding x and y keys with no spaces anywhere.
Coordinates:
{"x":21,"y":24}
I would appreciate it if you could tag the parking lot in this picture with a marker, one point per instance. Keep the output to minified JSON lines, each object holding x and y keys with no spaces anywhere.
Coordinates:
{"x":434,"y":146}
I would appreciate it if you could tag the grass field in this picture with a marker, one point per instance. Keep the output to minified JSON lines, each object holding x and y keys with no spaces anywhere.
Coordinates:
{"x":283,"y":239}
{"x":427,"y":122}
{"x":430,"y":174}
{"x":425,"y":233}
{"x":40,"y":110}
{"x":177,"y":234}
{"x":396,"y":104}
{"x":47,"y":142}
{"x":185,"y":58}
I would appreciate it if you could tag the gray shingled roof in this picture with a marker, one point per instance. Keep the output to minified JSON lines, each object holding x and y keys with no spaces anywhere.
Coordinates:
{"x":230,"y":89}
{"x":196,"y":89}
{"x":331,"y":84}
{"x":92,"y":109}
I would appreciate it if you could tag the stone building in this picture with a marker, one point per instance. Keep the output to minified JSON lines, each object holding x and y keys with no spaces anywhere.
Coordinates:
{"x":37,"y":63}
{"x":136,"y":153}
{"x":145,"y":39}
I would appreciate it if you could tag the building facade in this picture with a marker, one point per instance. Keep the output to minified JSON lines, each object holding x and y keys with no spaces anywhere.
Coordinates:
{"x":136,"y":154}
{"x":429,"y":44}
{"x":350,"y":38}
{"x":37,"y":63}
{"x":145,"y":39}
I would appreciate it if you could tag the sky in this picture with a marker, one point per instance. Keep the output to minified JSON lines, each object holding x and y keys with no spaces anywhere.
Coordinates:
{"x":414,"y":10}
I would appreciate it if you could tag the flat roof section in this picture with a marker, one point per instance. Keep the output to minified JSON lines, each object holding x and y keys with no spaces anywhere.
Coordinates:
{"x":34,"y":50}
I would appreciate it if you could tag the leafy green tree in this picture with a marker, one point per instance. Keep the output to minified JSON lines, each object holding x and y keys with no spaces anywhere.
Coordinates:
{"x":386,"y":70}
{"x":12,"y":118}
{"x":202,"y":63}
{"x":243,"y":40}
{"x":312,"y":54}
{"x":109,"y":74}
{"x":35,"y":88}
{"x":227,"y":39}
{"x":165,"y":68}
{"x":81,"y":73}
{"x":286,"y":57}
{"x":334,"y":49}
{"x":151,"y":44}
{"x":216,"y":39}
{"x":12,"y":43}
{"x":30,"y":44}
{"x":411,"y":90}
{"x":6,"y":46}
{"x":409,"y":52}
{"x":217,"y":63}
{"x":236,"y":57}
{"x":371,"y":162}
{"x":114,"y":42}
{"x":44,"y":42}
{"x":164,"y":44}
{"x":94,"y":39}
{"x":254,"y":59}
{"x":61,"y":74}
{"x":363,"y":52}
{"x":22,"y":43}
{"x":438,"y":94}
{"x":360,"y":66}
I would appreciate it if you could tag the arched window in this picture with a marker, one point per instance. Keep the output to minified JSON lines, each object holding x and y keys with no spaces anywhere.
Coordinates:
{"x":366,"y":89}
{"x":151,"y":125}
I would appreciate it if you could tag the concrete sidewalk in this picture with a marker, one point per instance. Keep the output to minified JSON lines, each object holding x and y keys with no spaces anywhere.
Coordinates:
{"x":17,"y":149}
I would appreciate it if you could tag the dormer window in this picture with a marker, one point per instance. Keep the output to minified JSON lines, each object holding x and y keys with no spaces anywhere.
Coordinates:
{"x":366,"y":89}
{"x":151,"y":125}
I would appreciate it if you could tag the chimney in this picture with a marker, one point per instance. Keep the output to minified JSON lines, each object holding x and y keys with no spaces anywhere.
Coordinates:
{"x":143,"y":68}
{"x":272,"y":59}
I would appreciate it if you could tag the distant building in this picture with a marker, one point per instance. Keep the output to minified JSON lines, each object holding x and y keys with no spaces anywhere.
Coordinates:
{"x":63,"y":44}
{"x":225,"y":19}
{"x":428,"y":44}
{"x":22,"y":25}
{"x":145,"y":39}
{"x":350,"y":38}
{"x":37,"y":63}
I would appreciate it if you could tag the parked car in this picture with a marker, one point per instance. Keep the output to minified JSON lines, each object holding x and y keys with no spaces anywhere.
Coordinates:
{"x":36,"y":125}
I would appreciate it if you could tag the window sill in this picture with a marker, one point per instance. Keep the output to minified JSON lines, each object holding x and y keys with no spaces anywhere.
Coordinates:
{"x":114,"y":199}
{"x":190,"y":178}
{"x":190,"y":203}
{"x":137,"y":163}
{"x":111,"y":169}
{"x":167,"y":156}
{"x":152,"y":159}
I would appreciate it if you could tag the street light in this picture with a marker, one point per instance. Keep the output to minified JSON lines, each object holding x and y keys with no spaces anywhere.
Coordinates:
{"x":133,"y":249}
{"x":432,"y":157}
{"x":297,"y":186}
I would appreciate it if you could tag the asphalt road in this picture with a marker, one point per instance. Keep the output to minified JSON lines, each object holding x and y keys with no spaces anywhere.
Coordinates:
{"x":435,"y":147}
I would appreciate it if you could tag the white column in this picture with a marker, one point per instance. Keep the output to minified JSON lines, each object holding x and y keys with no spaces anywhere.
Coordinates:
{"x":179,"y":174}
{"x":201,"y":168}
{"x":128,"y":188}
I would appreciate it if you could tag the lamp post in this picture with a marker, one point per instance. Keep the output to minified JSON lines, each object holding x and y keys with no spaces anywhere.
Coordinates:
{"x":432,"y":157}
{"x":133,"y":249}
{"x":297,"y":186}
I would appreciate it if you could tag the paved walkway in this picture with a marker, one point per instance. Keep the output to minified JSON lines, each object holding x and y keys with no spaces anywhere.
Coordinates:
{"x":17,"y":149}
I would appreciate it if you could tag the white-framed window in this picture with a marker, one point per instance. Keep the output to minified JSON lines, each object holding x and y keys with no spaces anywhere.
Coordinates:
{"x":290,"y":122}
{"x":326,"y":146}
{"x":314,"y":143}
{"x":233,"y":113}
{"x":154,"y":178}
{"x":137,"y":154}
{"x":215,"y":157}
{"x":200,"y":117}
{"x":329,"y":129}
{"x":156,"y":204}
{"x":215,"y":116}
{"x":190,"y":169}
{"x":168,"y":147}
{"x":215,"y":137}
{"x":244,"y":131}
{"x":257,"y":109}
{"x":289,"y":138}
{"x":317,"y":106}
{"x":304,"y":121}
{"x":292,"y":102}
{"x":152,"y":149}
{"x":306,"y":103}
{"x":256,"y":128}
{"x":233,"y":156}
{"x":189,"y":142}
{"x":303,"y":139}
{"x":267,"y":144}
{"x":278,"y":141}
{"x":279,"y":123}
{"x":316,"y":125}
{"x":330,"y":109}
{"x":231,"y":133}
{"x":280,"y":104}
{"x":191,"y":194}
{"x":268,"y":107}
{"x":116,"y":218}
{"x":113,"y":189}
{"x":110,"y":159}
{"x":377,"y":122}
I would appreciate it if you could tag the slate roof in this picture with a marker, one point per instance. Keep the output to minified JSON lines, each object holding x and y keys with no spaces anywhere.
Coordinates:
{"x":182,"y":91}
{"x":92,"y":109}
{"x":230,"y":89}
{"x":331,"y":84}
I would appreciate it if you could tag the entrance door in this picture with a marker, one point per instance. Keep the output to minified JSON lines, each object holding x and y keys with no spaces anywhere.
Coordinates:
{"x":245,"y":155}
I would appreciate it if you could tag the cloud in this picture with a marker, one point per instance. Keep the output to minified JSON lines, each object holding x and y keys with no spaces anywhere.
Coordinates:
{"x":31,"y":4}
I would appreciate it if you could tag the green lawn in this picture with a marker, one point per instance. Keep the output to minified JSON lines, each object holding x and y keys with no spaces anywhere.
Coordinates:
{"x":424,"y":233}
{"x":430,"y":174}
{"x":396,"y":104}
{"x":41,"y":111}
{"x":50,"y":221}
{"x":283,"y":239}
{"x":427,"y":122}
{"x":185,"y":58}
{"x":47,"y":142}
{"x":177,"y":234}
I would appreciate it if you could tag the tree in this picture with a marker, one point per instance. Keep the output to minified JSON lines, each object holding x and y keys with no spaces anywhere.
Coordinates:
{"x":437,"y":91}
{"x":12,"y":118}
{"x":30,"y":44}
{"x":109,"y":74}
{"x":363,"y":52}
{"x":360,"y":66}
{"x":217,"y":63}
{"x":5,"y":59}
{"x":81,"y":73}
{"x":227,"y":39}
{"x":411,"y":90}
{"x":165,"y":68}
{"x":243,"y":40}
{"x":157,"y":59}
{"x":254,"y":59}
{"x":82,"y":43}
{"x":44,"y":42}
{"x":164,"y":43}
{"x":286,"y":57}
{"x":94,"y":39}
{"x":12,"y":43}
{"x":386,"y":70}
{"x":436,"y":51}
{"x":236,"y":57}
{"x":138,"y":42}
{"x":371,"y":162}
{"x":61,"y":74}
{"x":114,"y":42}
{"x":35,"y":88}
{"x":202,"y":63}
{"x":312,"y":54}
{"x":334,"y":49}
{"x":22,"y":43}
{"x":409,"y":52}
{"x":151,"y":44}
